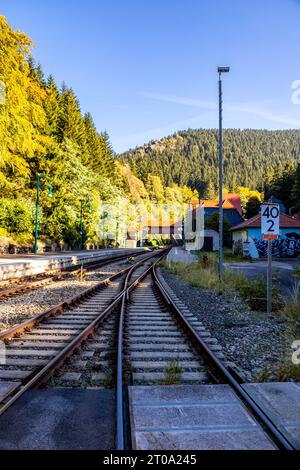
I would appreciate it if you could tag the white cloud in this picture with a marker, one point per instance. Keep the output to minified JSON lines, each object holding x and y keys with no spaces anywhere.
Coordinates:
{"x":145,"y":136}
{"x":255,"y":109}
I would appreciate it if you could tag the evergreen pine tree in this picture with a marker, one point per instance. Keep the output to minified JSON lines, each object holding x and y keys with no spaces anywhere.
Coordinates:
{"x":108,"y":164}
{"x":94,"y":153}
{"x":52,"y":108}
{"x":71,"y":124}
{"x":295,"y":195}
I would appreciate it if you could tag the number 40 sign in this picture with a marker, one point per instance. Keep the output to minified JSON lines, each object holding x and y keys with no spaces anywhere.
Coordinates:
{"x":270,"y":221}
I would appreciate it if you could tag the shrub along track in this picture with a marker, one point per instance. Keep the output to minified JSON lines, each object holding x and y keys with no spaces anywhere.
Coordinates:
{"x":138,"y":331}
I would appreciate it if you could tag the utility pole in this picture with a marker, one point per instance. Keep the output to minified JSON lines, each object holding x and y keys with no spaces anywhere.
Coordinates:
{"x":220,"y":71}
{"x":37,"y":207}
{"x":269,"y":278}
{"x":81,"y":225}
{"x":117,"y":232}
{"x":270,"y":229}
{"x":37,"y":212}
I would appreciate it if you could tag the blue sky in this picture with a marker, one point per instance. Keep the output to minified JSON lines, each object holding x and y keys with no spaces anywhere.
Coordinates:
{"x":147,"y":68}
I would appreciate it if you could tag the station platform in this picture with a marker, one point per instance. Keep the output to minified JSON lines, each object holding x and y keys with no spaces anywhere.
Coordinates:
{"x":211,"y":417}
{"x":180,"y":255}
{"x":14,"y":266}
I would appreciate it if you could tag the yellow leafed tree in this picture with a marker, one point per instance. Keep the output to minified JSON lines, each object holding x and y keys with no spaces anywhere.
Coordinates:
{"x":21,"y":114}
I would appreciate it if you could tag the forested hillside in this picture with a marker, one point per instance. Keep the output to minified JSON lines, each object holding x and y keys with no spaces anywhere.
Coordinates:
{"x":43,"y":131}
{"x":252,"y":158}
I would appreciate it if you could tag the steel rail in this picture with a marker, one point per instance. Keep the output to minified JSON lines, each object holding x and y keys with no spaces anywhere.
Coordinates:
{"x":34,"y":321}
{"x":25,"y":284}
{"x":224,"y":373}
{"x":120,"y":435}
{"x":42,"y":374}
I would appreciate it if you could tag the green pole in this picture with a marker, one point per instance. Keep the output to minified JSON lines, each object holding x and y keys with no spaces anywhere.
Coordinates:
{"x":81,"y":225}
{"x":37,"y":210}
{"x":117,"y":233}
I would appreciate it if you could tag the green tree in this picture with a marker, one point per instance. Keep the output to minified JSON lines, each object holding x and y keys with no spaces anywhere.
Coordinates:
{"x":71,"y":125}
{"x":295,"y":193}
{"x":21,"y":116}
{"x":213,"y":222}
{"x":253,"y":206}
{"x":94,"y":149}
{"x":155,"y":189}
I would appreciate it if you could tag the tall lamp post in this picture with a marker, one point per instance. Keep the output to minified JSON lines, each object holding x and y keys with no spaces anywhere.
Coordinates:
{"x":39,"y":178}
{"x":105,"y":215}
{"x":220,"y":71}
{"x":83,"y":202}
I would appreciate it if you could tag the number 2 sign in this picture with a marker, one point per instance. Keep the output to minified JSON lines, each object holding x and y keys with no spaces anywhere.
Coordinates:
{"x":270,"y":220}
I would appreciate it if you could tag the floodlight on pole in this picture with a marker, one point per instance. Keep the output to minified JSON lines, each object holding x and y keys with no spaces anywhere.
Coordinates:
{"x":220,"y":71}
{"x":223,"y":69}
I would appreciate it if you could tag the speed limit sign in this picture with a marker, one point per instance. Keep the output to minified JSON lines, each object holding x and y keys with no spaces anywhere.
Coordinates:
{"x":270,"y":221}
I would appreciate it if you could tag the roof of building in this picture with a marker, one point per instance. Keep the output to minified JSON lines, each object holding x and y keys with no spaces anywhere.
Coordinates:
{"x":235,"y":200}
{"x":285,"y":221}
{"x":230,"y":201}
{"x":275,"y":200}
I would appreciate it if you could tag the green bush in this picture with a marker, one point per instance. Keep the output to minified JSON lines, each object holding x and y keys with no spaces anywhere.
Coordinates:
{"x":16,"y":216}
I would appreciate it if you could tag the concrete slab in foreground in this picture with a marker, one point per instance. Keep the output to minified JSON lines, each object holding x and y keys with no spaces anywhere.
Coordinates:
{"x":60,"y":419}
{"x":282,"y":403}
{"x":6,"y":388}
{"x":196,"y":417}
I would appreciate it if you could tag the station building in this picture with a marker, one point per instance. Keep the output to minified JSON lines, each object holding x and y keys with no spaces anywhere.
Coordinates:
{"x":247,"y":238}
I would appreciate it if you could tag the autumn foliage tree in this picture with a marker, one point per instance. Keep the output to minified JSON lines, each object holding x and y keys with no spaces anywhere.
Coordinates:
{"x":43,"y":130}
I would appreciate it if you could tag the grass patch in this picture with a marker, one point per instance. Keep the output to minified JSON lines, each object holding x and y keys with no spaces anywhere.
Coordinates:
{"x":288,"y":372}
{"x":206,"y":278}
{"x":109,"y":379}
{"x":173,"y":373}
{"x":292,"y":310}
{"x":297,"y":272}
{"x":254,"y":291}
{"x":81,"y":274}
{"x":228,"y":256}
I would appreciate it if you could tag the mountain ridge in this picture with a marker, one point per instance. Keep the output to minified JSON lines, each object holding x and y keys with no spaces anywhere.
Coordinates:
{"x":252,"y":157}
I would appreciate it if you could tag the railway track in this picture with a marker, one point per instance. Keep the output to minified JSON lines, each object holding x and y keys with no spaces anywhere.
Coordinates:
{"x":161,"y":342}
{"x":23,"y":285}
{"x":130,"y":329}
{"x":36,"y":347}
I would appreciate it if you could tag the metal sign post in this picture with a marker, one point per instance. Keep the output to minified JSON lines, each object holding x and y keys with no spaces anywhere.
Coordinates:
{"x":269,"y":278}
{"x":270,"y":230}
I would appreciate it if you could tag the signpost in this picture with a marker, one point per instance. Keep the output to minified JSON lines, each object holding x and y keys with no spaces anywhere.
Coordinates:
{"x":270,"y":231}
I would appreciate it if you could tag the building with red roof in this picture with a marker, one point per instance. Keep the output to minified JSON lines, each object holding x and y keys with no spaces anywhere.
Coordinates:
{"x":247,"y":235}
{"x":231,"y":206}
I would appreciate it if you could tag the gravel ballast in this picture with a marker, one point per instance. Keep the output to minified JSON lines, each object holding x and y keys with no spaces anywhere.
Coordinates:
{"x":255,"y":342}
{"x":17,"y":309}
